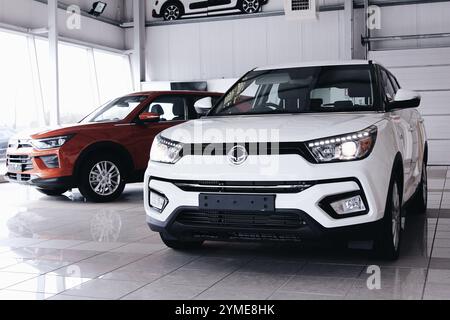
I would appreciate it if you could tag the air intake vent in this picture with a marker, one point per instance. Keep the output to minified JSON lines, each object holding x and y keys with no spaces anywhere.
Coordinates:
{"x":300,"y":9}
{"x":300,"y":5}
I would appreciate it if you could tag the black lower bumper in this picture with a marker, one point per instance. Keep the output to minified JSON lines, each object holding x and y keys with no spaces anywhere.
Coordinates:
{"x":223,"y":226}
{"x":53,"y":183}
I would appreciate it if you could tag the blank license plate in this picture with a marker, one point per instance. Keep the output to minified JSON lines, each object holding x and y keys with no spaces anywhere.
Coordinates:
{"x":14,"y":167}
{"x":238,"y":202}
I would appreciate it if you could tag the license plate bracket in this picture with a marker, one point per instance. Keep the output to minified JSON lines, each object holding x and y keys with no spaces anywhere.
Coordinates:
{"x":237,"y":202}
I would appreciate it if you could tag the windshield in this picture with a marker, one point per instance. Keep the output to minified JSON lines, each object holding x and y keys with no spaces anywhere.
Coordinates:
{"x":300,"y":90}
{"x":115,"y":110}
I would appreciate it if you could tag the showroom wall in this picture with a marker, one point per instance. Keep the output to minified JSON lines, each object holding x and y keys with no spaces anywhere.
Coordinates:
{"x":229,"y":48}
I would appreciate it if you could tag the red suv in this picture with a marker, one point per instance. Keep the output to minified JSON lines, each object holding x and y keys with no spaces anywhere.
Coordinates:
{"x":104,"y":151}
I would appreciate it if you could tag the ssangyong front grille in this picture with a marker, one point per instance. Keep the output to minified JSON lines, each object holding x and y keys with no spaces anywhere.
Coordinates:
{"x":243,"y":186}
{"x":246,"y":220}
{"x":22,"y":161}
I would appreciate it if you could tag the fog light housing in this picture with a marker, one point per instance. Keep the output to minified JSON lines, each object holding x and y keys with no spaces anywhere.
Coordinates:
{"x":157,"y":201}
{"x":350,"y":205}
{"x":50,"y":162}
{"x":345,"y":205}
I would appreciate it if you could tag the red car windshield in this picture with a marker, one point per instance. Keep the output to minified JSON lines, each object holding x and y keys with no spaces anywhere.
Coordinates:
{"x":115,"y":110}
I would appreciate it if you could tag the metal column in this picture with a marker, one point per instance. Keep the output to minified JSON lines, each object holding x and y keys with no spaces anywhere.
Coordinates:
{"x":54,"y":61}
{"x":139,"y":43}
{"x":348,"y":27}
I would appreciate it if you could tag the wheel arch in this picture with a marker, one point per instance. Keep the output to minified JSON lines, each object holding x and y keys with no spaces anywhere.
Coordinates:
{"x":105,"y":147}
{"x":168,"y":3}
{"x":398,"y":171}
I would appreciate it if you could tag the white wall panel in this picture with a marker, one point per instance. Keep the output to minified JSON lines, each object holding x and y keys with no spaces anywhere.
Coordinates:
{"x":217,"y":49}
{"x":227,"y":49}
{"x":283,"y":49}
{"x":435,"y":103}
{"x":427,"y":71}
{"x":412,"y":57}
{"x":424,"y":78}
{"x":184,"y":58}
{"x":439,"y":152}
{"x":157,"y":53}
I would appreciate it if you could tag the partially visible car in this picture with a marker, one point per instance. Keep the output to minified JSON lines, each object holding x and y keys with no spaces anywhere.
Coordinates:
{"x":175,"y":9}
{"x":104,"y":151}
{"x":5,"y":135}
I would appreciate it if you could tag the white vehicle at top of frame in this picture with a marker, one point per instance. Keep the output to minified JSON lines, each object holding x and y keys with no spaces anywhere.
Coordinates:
{"x":294,"y":152}
{"x":175,"y":9}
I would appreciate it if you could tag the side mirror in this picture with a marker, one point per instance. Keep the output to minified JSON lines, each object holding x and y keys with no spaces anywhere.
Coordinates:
{"x":203,"y":106}
{"x":146,"y":117}
{"x":405,"y":99}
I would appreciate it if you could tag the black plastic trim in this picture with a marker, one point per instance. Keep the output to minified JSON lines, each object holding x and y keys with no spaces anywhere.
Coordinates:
{"x":325,"y":204}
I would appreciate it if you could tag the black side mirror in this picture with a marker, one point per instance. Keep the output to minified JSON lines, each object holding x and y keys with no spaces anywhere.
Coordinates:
{"x":405,"y":99}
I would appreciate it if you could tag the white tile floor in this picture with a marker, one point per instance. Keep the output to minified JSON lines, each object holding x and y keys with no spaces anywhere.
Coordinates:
{"x":64,"y":248}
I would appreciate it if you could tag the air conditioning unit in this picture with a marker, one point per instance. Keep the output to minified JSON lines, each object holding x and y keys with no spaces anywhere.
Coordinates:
{"x":301,"y":9}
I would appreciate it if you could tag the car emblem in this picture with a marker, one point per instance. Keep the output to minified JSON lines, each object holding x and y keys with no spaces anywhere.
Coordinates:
{"x":237,"y":155}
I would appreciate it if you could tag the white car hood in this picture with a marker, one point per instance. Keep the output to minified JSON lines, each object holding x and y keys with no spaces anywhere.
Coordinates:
{"x":265,"y":128}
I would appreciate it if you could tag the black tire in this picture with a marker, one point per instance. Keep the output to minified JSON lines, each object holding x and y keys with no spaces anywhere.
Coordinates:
{"x":387,"y":245}
{"x":180,"y":244}
{"x":250,"y":6}
{"x":420,"y":200}
{"x":52,"y":192}
{"x":88,"y":172}
{"x":172,"y":11}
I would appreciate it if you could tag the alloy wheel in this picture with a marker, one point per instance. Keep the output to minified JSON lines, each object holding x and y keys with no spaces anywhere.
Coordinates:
{"x":250,"y":6}
{"x":172,"y":12}
{"x":104,"y":178}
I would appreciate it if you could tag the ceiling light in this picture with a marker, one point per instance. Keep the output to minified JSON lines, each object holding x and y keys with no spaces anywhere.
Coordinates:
{"x":98,"y":8}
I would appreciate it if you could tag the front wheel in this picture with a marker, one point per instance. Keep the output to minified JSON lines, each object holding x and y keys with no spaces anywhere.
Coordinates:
{"x":180,"y":244}
{"x":172,"y":11}
{"x":102,"y":178}
{"x":250,"y":6}
{"x":387,"y":245}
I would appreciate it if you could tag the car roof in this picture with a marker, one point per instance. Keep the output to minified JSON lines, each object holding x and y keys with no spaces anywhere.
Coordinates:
{"x":315,"y":64}
{"x":175,"y":92}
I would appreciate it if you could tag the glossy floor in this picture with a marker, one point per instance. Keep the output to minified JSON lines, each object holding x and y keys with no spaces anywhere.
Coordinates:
{"x":64,"y":248}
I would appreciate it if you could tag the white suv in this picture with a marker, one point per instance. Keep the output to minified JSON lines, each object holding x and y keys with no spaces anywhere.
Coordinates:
{"x":175,"y":9}
{"x":292,"y":153}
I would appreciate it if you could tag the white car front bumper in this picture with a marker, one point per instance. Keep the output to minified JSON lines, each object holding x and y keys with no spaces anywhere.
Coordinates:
{"x":183,"y":182}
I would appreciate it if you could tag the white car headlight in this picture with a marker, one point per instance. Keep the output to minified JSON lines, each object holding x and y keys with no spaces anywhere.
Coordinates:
{"x":165,"y":150}
{"x":50,"y":143}
{"x":348,"y":147}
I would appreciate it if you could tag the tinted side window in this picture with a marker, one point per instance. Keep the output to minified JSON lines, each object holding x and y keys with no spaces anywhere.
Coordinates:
{"x":394,"y":82}
{"x":170,"y":108}
{"x":388,"y":87}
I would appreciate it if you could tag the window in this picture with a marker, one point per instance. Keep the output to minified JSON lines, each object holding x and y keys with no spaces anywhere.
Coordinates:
{"x":116,"y":110}
{"x":394,"y":82}
{"x":169,"y":108}
{"x":18,"y":90}
{"x":113,"y":75}
{"x":301,"y":90}
{"x":388,"y":87}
